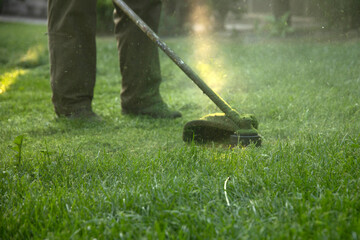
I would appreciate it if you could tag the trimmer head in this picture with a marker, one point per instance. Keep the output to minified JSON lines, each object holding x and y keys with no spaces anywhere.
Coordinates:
{"x":219,"y":128}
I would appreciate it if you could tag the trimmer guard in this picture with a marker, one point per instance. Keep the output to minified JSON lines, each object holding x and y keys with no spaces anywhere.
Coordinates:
{"x":219,"y":128}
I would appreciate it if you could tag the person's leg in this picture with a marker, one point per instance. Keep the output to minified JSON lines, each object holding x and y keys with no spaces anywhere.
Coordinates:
{"x":139,"y":62}
{"x":71,"y":29}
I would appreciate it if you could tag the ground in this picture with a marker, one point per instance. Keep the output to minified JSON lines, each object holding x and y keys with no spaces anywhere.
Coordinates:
{"x":134,"y":177}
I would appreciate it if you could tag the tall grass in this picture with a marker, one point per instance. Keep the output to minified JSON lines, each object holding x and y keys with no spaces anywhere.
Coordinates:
{"x":133,"y":177}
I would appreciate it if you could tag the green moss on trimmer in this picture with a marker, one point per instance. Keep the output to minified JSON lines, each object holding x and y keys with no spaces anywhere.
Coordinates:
{"x":218,"y":128}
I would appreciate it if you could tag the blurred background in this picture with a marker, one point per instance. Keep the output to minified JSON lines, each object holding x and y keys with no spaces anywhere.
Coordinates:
{"x":277,"y":17}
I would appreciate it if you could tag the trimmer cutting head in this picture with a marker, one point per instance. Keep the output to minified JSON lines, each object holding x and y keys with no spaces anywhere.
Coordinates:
{"x":219,"y":128}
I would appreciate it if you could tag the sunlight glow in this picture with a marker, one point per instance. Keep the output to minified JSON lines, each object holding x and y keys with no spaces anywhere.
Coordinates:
{"x":9,"y":78}
{"x":33,"y":54}
{"x":199,"y":17}
{"x":209,"y":64}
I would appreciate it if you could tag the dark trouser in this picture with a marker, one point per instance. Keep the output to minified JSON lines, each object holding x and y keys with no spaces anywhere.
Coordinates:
{"x":139,"y":58}
{"x":72,"y":28}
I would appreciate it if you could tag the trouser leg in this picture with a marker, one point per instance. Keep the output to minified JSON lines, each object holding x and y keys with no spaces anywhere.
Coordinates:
{"x":139,"y":58}
{"x":71,"y":29}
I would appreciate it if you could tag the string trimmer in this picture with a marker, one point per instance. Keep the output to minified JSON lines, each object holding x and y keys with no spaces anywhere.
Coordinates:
{"x":230,"y":126}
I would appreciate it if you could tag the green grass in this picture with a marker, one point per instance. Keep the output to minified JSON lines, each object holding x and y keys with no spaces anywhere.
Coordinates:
{"x":132,"y":177}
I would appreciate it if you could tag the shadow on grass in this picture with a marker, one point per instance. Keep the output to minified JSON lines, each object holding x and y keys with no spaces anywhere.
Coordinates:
{"x":140,"y":135}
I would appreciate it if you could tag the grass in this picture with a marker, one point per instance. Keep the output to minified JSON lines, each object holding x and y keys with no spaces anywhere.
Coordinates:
{"x":132,"y":177}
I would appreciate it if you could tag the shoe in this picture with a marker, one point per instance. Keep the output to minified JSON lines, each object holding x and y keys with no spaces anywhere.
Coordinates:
{"x":85,"y":115}
{"x":160,"y":110}
{"x":82,"y":114}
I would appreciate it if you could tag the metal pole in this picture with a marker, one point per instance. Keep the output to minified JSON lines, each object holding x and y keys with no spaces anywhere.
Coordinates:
{"x":220,"y":102}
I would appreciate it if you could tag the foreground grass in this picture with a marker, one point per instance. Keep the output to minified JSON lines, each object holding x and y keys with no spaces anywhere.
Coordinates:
{"x":135,"y":178}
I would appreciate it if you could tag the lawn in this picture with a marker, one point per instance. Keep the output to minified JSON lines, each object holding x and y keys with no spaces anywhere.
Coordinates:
{"x":134,"y":177}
